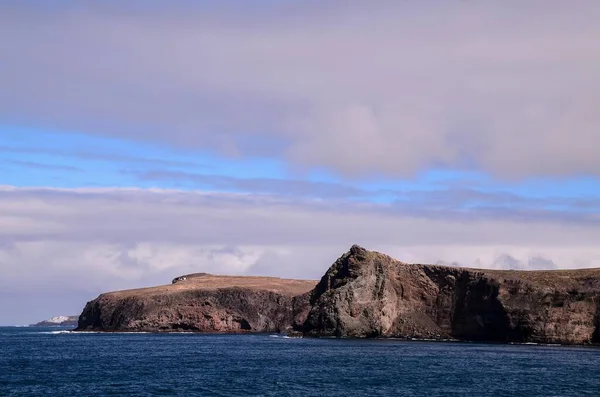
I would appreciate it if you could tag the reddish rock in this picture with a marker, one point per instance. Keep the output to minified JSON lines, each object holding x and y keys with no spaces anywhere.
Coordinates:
{"x":368,"y":294}
{"x":202,"y":303}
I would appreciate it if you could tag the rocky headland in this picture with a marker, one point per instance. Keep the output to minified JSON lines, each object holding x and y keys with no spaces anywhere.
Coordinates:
{"x":203,"y":303}
{"x":366,"y":294}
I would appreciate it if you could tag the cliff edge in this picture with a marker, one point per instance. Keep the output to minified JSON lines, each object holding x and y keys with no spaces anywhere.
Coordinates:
{"x":369,"y":294}
{"x":202,"y":303}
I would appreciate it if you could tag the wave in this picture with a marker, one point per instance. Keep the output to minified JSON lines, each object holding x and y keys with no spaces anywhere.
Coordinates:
{"x":67,"y":332}
{"x":64,"y":331}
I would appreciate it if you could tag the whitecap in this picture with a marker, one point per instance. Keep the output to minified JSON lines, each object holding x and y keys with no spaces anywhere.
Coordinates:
{"x":280,"y":336}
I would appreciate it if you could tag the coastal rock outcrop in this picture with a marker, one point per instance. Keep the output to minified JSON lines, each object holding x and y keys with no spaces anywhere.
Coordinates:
{"x":202,"y":303}
{"x":368,"y":294}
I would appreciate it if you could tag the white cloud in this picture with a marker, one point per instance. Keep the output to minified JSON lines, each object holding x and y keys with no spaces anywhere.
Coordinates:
{"x":392,"y":87}
{"x":81,"y":242}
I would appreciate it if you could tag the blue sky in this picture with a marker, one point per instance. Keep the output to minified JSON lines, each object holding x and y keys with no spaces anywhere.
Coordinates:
{"x":139,"y":142}
{"x":33,"y":157}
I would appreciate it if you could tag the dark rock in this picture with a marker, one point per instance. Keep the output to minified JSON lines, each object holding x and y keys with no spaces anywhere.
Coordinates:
{"x":368,"y":294}
{"x":202,"y":303}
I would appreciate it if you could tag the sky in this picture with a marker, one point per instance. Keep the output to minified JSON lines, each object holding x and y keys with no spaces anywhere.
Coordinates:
{"x":143,"y":140}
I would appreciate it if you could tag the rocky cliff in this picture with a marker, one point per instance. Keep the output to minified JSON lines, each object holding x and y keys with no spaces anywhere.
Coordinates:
{"x":368,"y":294}
{"x":202,"y":303}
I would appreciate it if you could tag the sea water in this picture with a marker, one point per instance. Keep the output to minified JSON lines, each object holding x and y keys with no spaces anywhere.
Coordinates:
{"x":55,"y":362}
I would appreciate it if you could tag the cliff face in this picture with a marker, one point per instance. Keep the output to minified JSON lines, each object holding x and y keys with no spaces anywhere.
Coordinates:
{"x":202,"y":303}
{"x":367,"y":294}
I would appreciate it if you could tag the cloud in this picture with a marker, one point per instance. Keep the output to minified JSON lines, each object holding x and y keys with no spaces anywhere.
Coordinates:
{"x":430,"y":199}
{"x":282,"y":187}
{"x":85,"y":241}
{"x":97,"y":155}
{"x":37,"y":165}
{"x":392,"y":89}
{"x":104,"y":213}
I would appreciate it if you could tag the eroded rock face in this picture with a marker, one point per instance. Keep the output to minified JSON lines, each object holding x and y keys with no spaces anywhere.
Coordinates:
{"x":202,"y":303}
{"x":368,"y":294}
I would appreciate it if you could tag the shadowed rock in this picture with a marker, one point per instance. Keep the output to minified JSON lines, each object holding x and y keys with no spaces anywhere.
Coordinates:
{"x":202,"y":303}
{"x":368,"y":294}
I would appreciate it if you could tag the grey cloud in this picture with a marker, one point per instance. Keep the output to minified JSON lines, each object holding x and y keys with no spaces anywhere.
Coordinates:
{"x":37,"y":165}
{"x":122,"y":215}
{"x":392,"y":88}
{"x":507,"y":261}
{"x":20,"y":306}
{"x":539,"y":262}
{"x":453,"y":197}
{"x":85,"y":241}
{"x":462,"y":202}
{"x":6,"y":243}
{"x":285,"y":187}
{"x":98,"y":155}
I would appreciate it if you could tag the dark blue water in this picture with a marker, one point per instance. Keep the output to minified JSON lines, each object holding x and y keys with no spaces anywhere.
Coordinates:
{"x":39,"y":362}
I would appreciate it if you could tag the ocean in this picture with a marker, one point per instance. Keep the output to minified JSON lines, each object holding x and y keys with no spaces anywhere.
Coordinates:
{"x":54,"y":362}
